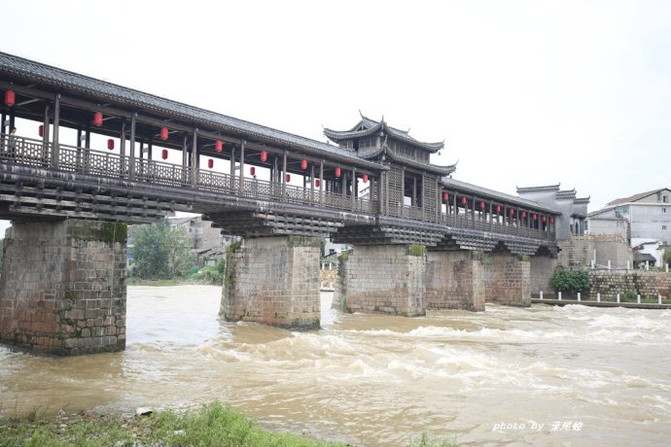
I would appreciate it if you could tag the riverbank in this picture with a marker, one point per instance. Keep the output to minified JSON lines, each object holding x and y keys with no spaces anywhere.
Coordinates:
{"x":213,"y":425}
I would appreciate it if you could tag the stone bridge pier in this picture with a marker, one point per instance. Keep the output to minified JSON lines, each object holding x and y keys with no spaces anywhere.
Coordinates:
{"x":273,"y":280}
{"x":63,"y":287}
{"x":407,"y":280}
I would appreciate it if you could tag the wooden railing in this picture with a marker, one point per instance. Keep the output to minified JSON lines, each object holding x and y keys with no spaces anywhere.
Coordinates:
{"x":31,"y":152}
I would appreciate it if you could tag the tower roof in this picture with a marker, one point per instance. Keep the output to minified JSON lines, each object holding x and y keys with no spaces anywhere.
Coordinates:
{"x":367,"y":127}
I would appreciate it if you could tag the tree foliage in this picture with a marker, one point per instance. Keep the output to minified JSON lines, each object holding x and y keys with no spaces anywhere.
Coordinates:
{"x":667,"y":256}
{"x":160,"y":251}
{"x":570,"y":281}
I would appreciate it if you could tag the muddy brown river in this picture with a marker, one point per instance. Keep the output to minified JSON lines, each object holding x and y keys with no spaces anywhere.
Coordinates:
{"x":547,"y":376}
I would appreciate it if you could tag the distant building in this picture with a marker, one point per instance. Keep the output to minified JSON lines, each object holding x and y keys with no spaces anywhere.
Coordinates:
{"x":573,"y":209}
{"x":641,"y":218}
{"x":204,"y":240}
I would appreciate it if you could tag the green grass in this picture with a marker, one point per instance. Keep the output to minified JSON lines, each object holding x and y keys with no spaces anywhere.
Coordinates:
{"x":213,"y":425}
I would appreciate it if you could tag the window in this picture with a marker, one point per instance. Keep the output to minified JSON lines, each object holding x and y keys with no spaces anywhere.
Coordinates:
{"x":663,"y":227}
{"x":663,"y":210}
{"x":665,"y":199}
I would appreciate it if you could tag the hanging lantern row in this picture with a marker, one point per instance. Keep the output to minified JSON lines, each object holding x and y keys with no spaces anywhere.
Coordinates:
{"x":98,"y":119}
{"x":10,"y":98}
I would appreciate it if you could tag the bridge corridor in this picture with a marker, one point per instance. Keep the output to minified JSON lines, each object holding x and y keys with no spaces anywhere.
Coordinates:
{"x":92,"y":157}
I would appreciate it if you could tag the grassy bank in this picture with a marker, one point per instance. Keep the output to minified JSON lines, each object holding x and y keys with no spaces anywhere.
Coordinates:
{"x":213,"y":425}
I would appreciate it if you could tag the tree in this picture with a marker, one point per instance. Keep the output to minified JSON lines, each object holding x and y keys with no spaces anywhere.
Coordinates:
{"x":160,"y":251}
{"x":667,"y":256}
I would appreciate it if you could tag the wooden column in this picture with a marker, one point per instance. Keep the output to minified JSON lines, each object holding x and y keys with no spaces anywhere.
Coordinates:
{"x":353,"y":188}
{"x":232,"y":168}
{"x":131,"y":152}
{"x":321,"y":180}
{"x":55,"y":152}
{"x":185,"y":159}
{"x":194,"y":159}
{"x":45,"y":133}
{"x":241,"y":186}
{"x":312,"y":182}
{"x":122,"y":148}
{"x":284,"y":175}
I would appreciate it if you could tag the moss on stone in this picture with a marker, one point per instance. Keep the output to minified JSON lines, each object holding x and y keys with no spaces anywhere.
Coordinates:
{"x":111,"y":232}
{"x":416,"y":250}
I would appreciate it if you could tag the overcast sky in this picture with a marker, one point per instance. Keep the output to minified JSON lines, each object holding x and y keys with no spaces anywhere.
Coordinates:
{"x":523,"y":93}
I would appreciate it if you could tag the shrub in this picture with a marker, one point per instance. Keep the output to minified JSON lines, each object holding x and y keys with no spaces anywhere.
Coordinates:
{"x":570,"y":281}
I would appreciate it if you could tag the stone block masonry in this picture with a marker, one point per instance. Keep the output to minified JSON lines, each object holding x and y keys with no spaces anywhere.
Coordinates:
{"x":63,"y":287}
{"x":454,"y":280}
{"x":381,"y":279}
{"x":507,"y":279}
{"x":273,"y":281}
{"x":648,"y":284}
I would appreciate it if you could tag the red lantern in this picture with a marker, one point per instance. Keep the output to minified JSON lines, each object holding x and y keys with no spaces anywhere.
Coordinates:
{"x":524,"y":214}
{"x":287,"y":178}
{"x":482,"y":205}
{"x":97,"y":119}
{"x":264,"y":156}
{"x":252,"y":171}
{"x":210,"y":163}
{"x":110,"y":144}
{"x":544,"y":218}
{"x":41,"y":130}
{"x":534,"y":217}
{"x":304,"y":164}
{"x":164,"y":133}
{"x":164,"y":154}
{"x":218,"y":146}
{"x":10,"y":98}
{"x":317,"y":183}
{"x":446,"y":197}
{"x":512,"y":212}
{"x":552,"y":220}
{"x":365,"y":178}
{"x":337,"y":172}
{"x":498,"y":208}
{"x":464,"y":201}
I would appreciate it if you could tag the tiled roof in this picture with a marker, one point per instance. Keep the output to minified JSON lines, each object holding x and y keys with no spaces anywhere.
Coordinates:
{"x":635,"y":197}
{"x":367,"y":127}
{"x":440,"y":170}
{"x":496,"y":195}
{"x":113,"y":93}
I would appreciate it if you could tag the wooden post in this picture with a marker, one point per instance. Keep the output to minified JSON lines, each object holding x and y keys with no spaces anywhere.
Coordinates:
{"x":353,"y":188}
{"x":194,"y":159}
{"x":402,"y":190}
{"x":312,"y":182}
{"x":185,"y":159}
{"x":45,"y":133}
{"x":232,"y":168}
{"x":122,"y":148}
{"x":241,"y":187}
{"x":284,"y":175}
{"x":131,"y":152}
{"x":321,"y":180}
{"x":55,"y":152}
